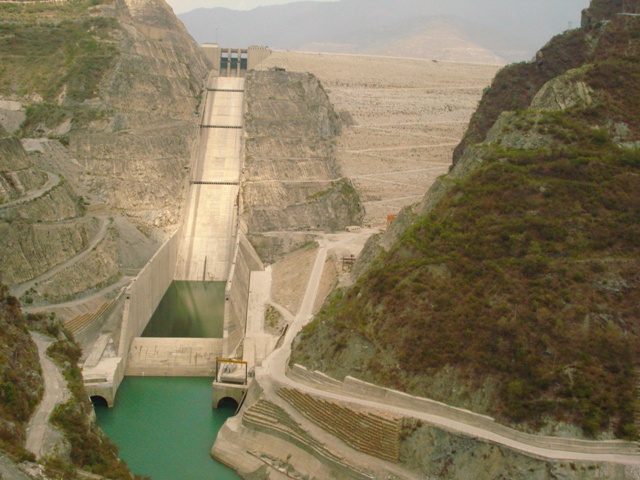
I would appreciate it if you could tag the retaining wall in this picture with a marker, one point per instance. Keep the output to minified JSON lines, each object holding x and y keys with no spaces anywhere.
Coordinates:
{"x":145,"y":292}
{"x":256,"y":55}
{"x":245,"y":261}
{"x":394,"y":397}
{"x":369,"y":391}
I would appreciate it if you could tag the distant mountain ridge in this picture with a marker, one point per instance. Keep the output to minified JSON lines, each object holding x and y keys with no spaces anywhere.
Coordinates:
{"x":502,"y":30}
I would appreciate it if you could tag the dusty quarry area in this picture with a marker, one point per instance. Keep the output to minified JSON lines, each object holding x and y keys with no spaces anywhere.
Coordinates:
{"x":402,"y":119}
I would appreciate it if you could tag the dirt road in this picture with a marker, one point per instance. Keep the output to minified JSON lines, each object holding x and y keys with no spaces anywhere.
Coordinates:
{"x":39,"y":431}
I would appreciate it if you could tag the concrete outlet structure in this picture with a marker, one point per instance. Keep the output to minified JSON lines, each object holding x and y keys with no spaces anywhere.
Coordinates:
{"x":223,"y":391}
{"x":234,"y":62}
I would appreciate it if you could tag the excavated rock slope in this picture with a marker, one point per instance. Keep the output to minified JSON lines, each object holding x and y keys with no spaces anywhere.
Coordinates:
{"x":291,"y":178}
{"x":123,"y":102}
{"x":135,"y":158}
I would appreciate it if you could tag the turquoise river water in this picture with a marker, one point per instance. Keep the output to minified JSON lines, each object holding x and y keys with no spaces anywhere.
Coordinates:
{"x":165,"y":428}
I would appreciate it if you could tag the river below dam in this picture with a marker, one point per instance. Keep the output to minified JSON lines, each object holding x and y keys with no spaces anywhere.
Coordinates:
{"x":165,"y":428}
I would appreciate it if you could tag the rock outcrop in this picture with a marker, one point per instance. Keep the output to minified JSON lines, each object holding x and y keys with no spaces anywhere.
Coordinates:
{"x":601,"y":10}
{"x":291,"y":179}
{"x":17,"y":172}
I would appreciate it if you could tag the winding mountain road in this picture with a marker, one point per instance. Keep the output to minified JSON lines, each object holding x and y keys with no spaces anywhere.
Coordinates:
{"x":123,"y":282}
{"x":53,"y":181}
{"x":19,"y":290}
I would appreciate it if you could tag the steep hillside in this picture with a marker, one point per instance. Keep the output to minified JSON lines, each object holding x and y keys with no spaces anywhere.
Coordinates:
{"x":80,"y":443}
{"x":108,"y":93}
{"x":515,"y":86}
{"x":515,"y":292}
{"x":291,"y":177}
{"x":98,"y":114}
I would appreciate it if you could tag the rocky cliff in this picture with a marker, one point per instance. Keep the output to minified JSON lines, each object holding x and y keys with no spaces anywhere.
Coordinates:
{"x":512,"y":288}
{"x":135,"y":157}
{"x":291,"y":180}
{"x":99,"y":105}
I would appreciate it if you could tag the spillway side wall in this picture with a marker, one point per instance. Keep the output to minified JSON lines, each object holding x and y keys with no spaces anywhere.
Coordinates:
{"x":245,"y":261}
{"x":144,"y":294}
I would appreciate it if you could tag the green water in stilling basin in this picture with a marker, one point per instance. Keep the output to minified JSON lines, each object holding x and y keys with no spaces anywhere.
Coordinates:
{"x":165,"y":428}
{"x":189,"y":310}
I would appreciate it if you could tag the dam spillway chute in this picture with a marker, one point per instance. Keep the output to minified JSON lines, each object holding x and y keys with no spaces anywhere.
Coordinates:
{"x":210,"y":248}
{"x":207,"y":246}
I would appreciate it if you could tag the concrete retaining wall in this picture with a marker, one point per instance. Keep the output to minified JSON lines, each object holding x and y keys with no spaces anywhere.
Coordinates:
{"x":174,"y":357}
{"x":211,"y":52}
{"x":400,"y":399}
{"x":256,"y":55}
{"x":145,"y":292}
{"x":245,"y":261}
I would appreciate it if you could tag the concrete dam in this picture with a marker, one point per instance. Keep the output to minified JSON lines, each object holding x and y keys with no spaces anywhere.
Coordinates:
{"x":209,"y":246}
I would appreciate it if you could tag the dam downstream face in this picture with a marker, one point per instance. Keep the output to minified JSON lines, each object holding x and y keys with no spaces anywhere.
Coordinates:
{"x":189,"y":310}
{"x":165,"y":428}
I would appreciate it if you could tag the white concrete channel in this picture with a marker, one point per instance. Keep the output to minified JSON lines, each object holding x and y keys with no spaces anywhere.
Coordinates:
{"x":208,"y":246}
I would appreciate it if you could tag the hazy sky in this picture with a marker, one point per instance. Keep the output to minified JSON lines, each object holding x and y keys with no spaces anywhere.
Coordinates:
{"x":181,"y":6}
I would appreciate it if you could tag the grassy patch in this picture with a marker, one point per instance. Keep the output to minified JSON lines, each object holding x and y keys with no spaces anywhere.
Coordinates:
{"x":59,"y":53}
{"x":47,"y":58}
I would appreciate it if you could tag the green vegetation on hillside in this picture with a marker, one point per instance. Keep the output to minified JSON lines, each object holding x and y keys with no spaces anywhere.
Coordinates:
{"x":526,"y":272}
{"x":90,"y":449}
{"x":22,"y":387}
{"x":21,"y":384}
{"x":515,"y":86}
